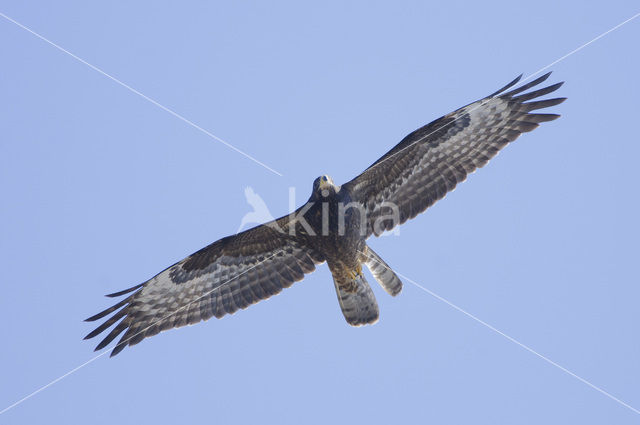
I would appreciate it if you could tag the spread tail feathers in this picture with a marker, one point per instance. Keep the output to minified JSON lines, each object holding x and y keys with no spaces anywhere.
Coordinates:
{"x":356,"y":298}
{"x":383,"y":273}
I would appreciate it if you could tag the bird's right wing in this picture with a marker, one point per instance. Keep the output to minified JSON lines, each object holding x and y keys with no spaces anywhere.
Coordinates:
{"x":227,"y":275}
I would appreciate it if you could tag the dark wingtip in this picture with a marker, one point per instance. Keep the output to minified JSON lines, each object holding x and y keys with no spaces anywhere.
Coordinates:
{"x":539,"y":118}
{"x":124,"y":291}
{"x":108,"y":311}
{"x":511,"y":84}
{"x":118,"y":348}
{"x":94,"y":317}
{"x":531,"y":84}
{"x":113,"y":334}
{"x":559,"y":100}
{"x":100,"y":346}
{"x":540,"y":79}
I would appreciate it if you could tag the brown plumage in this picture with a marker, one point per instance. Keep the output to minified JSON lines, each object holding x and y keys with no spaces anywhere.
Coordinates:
{"x":242,"y":269}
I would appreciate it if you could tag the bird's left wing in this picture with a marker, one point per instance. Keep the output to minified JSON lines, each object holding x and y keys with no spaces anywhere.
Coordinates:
{"x":227,"y":275}
{"x":432,"y":160}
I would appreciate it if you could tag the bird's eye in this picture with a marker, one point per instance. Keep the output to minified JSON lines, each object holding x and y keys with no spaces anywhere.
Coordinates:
{"x":324,"y":178}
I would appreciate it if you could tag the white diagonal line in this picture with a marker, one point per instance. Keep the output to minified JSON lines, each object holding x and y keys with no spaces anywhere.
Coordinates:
{"x":60,"y":378}
{"x":131,"y":89}
{"x":515,"y":341}
{"x":583,"y":46}
{"x":106,"y":351}
{"x":483,"y":102}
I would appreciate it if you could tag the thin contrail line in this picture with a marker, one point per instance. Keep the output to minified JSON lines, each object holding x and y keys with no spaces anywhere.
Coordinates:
{"x":515,"y":341}
{"x":583,"y":46}
{"x":27,"y":397}
{"x":131,"y":89}
{"x":106,"y":351}
{"x":482,"y":101}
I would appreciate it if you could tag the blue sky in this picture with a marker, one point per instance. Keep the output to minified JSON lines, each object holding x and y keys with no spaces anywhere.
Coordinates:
{"x":101,"y":190}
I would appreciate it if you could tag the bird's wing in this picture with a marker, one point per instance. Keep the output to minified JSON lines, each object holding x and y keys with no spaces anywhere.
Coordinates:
{"x":432,"y":160}
{"x":227,"y":275}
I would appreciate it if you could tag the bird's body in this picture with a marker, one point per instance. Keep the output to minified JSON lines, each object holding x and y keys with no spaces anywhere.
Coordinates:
{"x":332,"y":226}
{"x":338,"y":232}
{"x":339,"y":244}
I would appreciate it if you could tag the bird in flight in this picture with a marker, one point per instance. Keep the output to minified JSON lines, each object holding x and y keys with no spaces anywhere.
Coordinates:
{"x":332,"y":226}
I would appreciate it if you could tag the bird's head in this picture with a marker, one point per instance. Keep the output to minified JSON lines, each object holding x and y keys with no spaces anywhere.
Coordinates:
{"x":323,"y":187}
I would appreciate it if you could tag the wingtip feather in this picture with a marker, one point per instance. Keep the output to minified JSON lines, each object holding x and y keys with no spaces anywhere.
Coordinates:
{"x":540,"y":118}
{"x":118,"y":348}
{"x":108,"y":311}
{"x":508,"y":86}
{"x":124,"y":291}
{"x":99,"y":315}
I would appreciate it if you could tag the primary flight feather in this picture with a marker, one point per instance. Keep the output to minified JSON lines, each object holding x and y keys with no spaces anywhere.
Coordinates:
{"x":333,"y":225}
